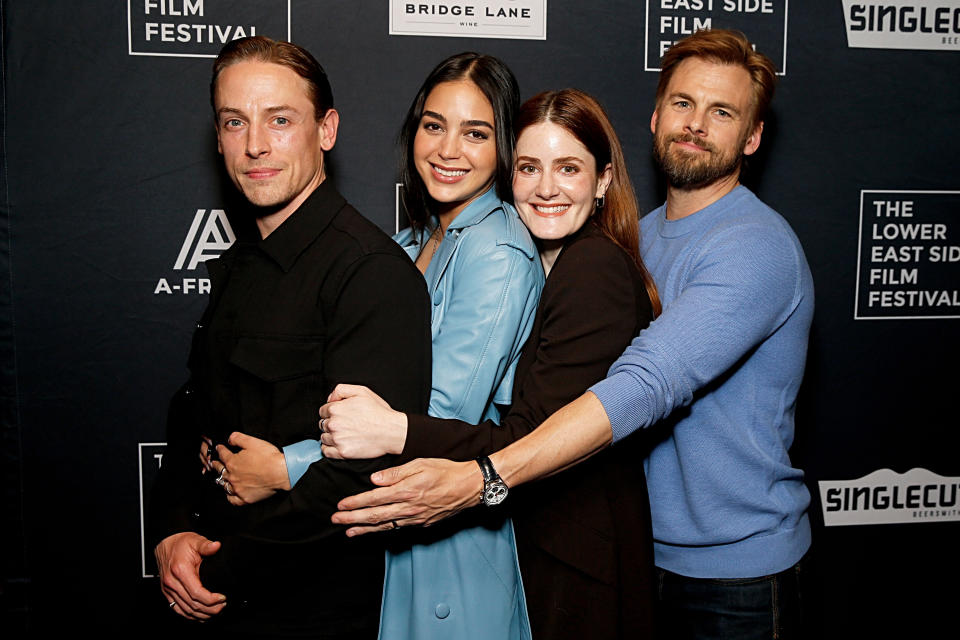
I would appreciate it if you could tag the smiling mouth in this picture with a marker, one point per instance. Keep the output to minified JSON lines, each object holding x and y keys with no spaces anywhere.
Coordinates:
{"x":448,"y":173}
{"x":550,"y":211}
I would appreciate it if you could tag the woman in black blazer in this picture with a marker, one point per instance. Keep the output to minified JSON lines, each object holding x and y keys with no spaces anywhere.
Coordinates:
{"x":583,"y":536}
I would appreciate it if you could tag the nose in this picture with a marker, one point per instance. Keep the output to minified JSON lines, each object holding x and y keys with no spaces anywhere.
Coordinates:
{"x":697,"y":123}
{"x":258,"y":142}
{"x":547,"y":185}
{"x":449,"y":146}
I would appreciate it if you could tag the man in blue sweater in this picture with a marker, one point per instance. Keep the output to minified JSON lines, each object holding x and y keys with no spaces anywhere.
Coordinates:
{"x":720,"y":367}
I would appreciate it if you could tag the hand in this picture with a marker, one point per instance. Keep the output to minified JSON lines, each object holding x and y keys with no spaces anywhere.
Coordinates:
{"x":357,"y":423}
{"x":420,"y":492}
{"x":252,"y":474}
{"x":178,"y":558}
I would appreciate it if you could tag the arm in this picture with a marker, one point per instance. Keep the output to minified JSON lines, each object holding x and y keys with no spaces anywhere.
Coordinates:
{"x":744,"y":286}
{"x":568,"y":351}
{"x":378,"y":335}
{"x":572,"y":350}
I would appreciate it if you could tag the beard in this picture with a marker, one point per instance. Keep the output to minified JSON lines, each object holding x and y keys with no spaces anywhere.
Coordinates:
{"x":691,"y":171}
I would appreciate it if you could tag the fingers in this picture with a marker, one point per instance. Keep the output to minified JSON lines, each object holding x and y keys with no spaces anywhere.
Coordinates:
{"x":353,"y":532}
{"x":224,"y":453}
{"x":393,"y":475}
{"x":241,"y":440}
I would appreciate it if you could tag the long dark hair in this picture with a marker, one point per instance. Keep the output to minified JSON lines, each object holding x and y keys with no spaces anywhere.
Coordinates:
{"x":497,"y":83}
{"x":585,"y":119}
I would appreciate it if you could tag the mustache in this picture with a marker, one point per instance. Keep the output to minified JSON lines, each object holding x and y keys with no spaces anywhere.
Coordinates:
{"x":694,"y":140}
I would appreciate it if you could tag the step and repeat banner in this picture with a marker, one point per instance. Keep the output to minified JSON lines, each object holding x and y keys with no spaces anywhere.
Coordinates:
{"x":115,"y":196}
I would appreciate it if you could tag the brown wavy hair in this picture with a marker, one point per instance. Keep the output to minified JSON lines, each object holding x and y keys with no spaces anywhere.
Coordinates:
{"x":585,"y":119}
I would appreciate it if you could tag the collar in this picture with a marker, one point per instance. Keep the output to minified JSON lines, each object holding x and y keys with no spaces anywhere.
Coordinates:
{"x":484,"y":205}
{"x":298,"y":231}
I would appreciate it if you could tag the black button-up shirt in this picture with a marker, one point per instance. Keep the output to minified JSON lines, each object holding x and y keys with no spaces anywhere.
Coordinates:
{"x":325,"y":298}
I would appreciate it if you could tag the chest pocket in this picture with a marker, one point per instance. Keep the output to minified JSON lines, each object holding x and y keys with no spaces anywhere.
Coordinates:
{"x":280,"y":385}
{"x":278,"y":358}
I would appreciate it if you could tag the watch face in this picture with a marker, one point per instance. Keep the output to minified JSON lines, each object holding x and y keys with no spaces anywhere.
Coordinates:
{"x":494,"y":493}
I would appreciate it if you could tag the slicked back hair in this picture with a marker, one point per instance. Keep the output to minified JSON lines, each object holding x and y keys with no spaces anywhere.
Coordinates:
{"x":285,"y":54}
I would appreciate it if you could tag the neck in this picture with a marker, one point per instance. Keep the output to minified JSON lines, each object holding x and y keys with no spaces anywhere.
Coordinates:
{"x":549,"y":250}
{"x":684,"y":202}
{"x":269,"y":219}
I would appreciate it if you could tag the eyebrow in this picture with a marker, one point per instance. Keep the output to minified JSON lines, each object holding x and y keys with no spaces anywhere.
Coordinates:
{"x":235,"y":111}
{"x":463,"y":123}
{"x":723,"y":105}
{"x":568,"y":159}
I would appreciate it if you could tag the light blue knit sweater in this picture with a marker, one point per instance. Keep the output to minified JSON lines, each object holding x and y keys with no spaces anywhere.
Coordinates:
{"x":722,"y":365}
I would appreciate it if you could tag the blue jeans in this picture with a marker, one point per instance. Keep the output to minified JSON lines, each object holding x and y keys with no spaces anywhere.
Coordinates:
{"x":764,"y":608}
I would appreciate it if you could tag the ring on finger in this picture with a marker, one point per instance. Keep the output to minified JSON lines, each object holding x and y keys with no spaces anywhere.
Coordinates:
{"x":228,"y":488}
{"x":323,"y":424}
{"x":220,"y":479}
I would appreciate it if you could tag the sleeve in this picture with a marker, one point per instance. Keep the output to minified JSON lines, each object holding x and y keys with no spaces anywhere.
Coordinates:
{"x":487,"y":317}
{"x":591,"y":308}
{"x":378,"y":337}
{"x":299,"y":456}
{"x":744,"y":283}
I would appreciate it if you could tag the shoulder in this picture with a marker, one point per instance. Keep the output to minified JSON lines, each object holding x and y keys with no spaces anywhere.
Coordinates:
{"x":591,"y":256}
{"x":363,"y":236}
{"x":749,"y":228}
{"x":501,"y":230}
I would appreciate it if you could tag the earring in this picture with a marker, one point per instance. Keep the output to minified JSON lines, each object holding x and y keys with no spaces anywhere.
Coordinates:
{"x":599,"y":202}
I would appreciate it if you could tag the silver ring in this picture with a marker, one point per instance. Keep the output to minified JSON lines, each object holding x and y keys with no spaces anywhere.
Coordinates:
{"x":228,"y":488}
{"x":220,"y":481}
{"x":173,"y":603}
{"x":321,"y":423}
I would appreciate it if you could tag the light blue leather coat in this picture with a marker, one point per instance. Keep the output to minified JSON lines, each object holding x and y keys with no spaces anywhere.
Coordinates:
{"x":484,"y":281}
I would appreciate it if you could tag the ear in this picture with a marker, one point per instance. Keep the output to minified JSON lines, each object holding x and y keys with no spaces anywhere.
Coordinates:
{"x":328,"y":126}
{"x":603,"y":180}
{"x":653,"y":120}
{"x":753,"y":141}
{"x":216,"y":129}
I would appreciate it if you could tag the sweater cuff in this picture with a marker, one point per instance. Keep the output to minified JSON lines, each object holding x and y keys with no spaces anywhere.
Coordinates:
{"x":625,"y":409}
{"x":299,"y":456}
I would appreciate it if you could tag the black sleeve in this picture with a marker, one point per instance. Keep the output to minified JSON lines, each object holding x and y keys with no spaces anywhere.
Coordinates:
{"x":593,"y":304}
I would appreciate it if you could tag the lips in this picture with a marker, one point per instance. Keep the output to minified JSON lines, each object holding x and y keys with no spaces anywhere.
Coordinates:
{"x":448,"y":175}
{"x":691,"y":143}
{"x":261,"y":173}
{"x":550,"y":211}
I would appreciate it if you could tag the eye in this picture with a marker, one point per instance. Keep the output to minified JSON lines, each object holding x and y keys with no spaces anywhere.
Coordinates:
{"x":569,"y":169}
{"x":282,"y":120}
{"x":233,"y":123}
{"x":432,"y":127}
{"x":723,"y":113}
{"x":528,"y":169}
{"x":476,"y":134}
{"x":681,"y":104}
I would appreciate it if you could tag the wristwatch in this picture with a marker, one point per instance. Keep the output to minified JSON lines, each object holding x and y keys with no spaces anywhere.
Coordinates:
{"x":494,"y":488}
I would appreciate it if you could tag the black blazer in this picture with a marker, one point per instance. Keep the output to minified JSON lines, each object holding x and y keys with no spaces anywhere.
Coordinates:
{"x":584,"y":539}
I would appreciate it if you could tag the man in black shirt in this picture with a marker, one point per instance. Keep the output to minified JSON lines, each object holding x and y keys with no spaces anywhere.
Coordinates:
{"x":321,"y":296}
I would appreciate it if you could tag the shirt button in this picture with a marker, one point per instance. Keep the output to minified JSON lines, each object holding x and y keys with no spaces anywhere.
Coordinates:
{"x":437,"y":298}
{"x":443,"y":610}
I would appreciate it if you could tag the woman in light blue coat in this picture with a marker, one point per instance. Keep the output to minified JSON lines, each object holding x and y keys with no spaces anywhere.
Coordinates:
{"x":484,"y":278}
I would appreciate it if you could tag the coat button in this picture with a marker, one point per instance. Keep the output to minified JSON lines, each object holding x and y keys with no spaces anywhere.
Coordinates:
{"x":443,"y":610}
